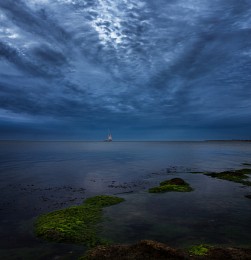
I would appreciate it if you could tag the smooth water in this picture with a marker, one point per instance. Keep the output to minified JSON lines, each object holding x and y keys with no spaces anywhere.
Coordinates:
{"x":38,"y":177}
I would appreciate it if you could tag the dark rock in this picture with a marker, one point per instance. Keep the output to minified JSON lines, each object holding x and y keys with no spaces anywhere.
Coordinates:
{"x":151,"y":250}
{"x":174,"y":181}
{"x":175,"y":184}
{"x":145,"y":249}
{"x":229,"y":253}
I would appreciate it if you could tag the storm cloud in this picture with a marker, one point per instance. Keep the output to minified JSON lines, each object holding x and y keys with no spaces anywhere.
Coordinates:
{"x":69,"y":69}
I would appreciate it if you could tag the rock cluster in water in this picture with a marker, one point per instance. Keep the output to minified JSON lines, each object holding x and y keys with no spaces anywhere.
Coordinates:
{"x":175,"y":184}
{"x":239,"y":176}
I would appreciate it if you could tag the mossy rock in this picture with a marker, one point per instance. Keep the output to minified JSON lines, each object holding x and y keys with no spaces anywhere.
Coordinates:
{"x":175,"y":184}
{"x":77,"y":224}
{"x":199,"y":250}
{"x":238,"y":176}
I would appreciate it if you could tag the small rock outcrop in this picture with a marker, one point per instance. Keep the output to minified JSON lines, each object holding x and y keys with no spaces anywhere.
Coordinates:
{"x":175,"y":184}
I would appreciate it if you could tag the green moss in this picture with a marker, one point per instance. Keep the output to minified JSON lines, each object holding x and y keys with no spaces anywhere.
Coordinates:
{"x":77,"y":224}
{"x":238,"y":176}
{"x":200,"y":250}
{"x":175,"y":184}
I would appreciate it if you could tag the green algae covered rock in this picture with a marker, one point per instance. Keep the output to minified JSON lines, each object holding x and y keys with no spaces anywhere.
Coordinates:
{"x":77,"y":224}
{"x":175,"y":184}
{"x":199,"y":250}
{"x":239,"y":176}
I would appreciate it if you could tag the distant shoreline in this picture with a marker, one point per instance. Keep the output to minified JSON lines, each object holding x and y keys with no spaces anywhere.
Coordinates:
{"x":227,"y":141}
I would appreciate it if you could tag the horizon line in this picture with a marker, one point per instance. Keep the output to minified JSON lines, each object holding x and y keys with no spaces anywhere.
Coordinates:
{"x":206,"y":140}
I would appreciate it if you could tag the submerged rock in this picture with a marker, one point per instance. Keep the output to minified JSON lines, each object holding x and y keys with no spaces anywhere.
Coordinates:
{"x":175,"y":184}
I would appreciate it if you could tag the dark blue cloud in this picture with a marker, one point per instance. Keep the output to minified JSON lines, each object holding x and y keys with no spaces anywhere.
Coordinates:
{"x":150,"y":69}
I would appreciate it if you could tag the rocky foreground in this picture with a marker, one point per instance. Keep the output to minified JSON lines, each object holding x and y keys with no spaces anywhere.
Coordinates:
{"x":148,"y":249}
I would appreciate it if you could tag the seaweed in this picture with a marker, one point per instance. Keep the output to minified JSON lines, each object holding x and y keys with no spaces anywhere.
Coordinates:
{"x":199,"y":250}
{"x":76,"y":224}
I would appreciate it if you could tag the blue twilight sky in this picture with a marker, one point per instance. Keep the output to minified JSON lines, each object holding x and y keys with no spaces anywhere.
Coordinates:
{"x":146,"y":69}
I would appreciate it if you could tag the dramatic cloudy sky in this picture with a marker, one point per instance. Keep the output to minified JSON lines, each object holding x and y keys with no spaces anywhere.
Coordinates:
{"x":147,"y":69}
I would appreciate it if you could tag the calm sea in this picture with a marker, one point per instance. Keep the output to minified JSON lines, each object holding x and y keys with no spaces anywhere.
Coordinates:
{"x":38,"y":177}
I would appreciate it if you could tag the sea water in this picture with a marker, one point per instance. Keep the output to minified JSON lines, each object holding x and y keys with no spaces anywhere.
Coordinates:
{"x":39,"y":177}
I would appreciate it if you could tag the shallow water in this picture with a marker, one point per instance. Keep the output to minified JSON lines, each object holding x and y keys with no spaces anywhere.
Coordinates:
{"x":37,"y":177}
